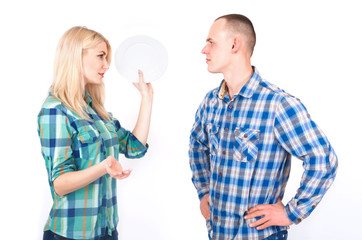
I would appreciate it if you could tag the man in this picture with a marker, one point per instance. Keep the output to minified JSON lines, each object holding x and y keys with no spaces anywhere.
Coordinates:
{"x":244,"y":134}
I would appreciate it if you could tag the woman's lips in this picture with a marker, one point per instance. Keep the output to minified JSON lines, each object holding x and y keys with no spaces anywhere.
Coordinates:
{"x":102,"y":74}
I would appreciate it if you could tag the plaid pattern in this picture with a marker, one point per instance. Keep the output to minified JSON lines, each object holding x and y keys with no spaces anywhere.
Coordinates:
{"x":240,"y":153}
{"x":70,"y":143}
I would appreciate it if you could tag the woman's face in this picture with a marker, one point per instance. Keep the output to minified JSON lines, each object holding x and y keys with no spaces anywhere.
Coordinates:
{"x":95,"y":64}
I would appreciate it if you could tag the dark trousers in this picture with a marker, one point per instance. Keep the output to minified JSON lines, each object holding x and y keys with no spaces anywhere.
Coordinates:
{"x":49,"y":235}
{"x":282,"y":235}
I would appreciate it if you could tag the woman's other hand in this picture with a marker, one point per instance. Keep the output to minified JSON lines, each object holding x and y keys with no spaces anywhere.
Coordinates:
{"x":115,"y":169}
{"x":145,"y":89}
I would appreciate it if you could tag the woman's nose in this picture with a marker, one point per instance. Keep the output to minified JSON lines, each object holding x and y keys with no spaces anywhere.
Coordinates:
{"x":106,"y":65}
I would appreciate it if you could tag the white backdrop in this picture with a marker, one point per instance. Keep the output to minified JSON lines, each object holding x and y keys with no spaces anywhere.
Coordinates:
{"x":311,"y":49}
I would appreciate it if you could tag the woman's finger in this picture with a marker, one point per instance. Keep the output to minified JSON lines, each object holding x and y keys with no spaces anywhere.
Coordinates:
{"x":122,"y":176}
{"x":140,"y":76}
{"x":128,"y":171}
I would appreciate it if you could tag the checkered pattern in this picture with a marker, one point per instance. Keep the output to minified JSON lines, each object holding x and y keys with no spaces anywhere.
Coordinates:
{"x":240,"y":153}
{"x":70,"y":143}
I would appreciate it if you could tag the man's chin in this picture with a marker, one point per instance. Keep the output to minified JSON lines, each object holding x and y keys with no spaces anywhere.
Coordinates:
{"x":212,"y":70}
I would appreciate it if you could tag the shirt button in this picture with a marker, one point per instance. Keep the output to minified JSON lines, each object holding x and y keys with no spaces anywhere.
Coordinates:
{"x":313,"y":206}
{"x":224,"y":152}
{"x":220,"y":174}
{"x":299,"y":220}
{"x":226,"y":129}
{"x":230,"y":106}
{"x":217,"y":195}
{"x":215,"y":218}
{"x":245,"y":135}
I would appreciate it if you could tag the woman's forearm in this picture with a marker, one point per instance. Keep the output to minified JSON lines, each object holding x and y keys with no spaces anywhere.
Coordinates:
{"x":72,"y":181}
{"x":142,"y":127}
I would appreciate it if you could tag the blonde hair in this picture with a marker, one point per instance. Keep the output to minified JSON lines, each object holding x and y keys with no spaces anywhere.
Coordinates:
{"x":68,"y":82}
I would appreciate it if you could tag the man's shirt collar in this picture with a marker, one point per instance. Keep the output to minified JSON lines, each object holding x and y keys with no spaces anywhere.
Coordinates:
{"x":246,"y":91}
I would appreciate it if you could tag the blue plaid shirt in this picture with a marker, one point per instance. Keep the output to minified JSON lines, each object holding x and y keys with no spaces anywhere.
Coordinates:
{"x":240,"y":154}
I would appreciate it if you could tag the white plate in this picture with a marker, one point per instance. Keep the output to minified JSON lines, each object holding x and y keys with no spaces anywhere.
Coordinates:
{"x":144,"y":53}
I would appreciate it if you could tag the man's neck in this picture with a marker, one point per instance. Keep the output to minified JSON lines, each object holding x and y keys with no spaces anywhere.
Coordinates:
{"x":236,"y":79}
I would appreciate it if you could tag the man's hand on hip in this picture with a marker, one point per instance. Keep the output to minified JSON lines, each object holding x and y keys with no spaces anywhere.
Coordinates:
{"x":273,"y":215}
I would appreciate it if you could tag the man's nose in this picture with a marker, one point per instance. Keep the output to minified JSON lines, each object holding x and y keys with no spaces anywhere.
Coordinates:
{"x":204,"y":50}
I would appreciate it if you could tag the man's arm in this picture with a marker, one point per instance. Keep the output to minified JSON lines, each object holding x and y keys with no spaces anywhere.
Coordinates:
{"x":199,"y":156}
{"x":301,"y":137}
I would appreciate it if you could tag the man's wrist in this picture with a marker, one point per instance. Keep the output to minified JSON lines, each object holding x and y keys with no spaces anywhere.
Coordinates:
{"x":293,"y":214}
{"x":202,"y":194}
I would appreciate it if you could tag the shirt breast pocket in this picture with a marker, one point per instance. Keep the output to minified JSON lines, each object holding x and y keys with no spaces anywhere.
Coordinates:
{"x":246,"y":144}
{"x":90,"y":145}
{"x":87,"y":137}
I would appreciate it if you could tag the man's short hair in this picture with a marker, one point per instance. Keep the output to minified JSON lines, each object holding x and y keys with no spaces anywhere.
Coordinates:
{"x":240,"y":24}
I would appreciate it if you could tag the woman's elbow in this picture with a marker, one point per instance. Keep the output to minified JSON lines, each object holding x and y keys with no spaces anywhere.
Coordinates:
{"x":58,"y":187}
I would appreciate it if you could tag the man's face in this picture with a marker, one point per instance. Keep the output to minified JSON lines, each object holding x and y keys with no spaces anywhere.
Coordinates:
{"x":218,"y":48}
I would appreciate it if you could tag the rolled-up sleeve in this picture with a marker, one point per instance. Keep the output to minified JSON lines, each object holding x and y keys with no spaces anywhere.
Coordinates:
{"x":55,"y":135}
{"x":199,"y":156}
{"x":301,"y":137}
{"x":129,"y":145}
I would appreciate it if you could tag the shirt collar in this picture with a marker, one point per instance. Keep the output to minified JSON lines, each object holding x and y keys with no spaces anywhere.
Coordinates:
{"x":246,"y":91}
{"x":88,"y":99}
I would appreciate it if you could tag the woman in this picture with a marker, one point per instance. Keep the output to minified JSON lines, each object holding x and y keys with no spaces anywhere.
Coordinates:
{"x":81,"y":141}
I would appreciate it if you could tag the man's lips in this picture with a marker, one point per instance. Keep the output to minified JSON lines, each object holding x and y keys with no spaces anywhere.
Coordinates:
{"x":208,"y":60}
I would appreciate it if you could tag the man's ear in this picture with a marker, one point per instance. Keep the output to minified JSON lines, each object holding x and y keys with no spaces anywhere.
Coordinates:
{"x":236,"y":44}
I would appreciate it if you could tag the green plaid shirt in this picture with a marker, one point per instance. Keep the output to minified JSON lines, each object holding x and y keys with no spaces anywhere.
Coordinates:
{"x":70,"y":143}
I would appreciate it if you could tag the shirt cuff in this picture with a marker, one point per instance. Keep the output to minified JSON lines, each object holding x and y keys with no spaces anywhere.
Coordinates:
{"x":293,"y":214}
{"x":135,"y":149}
{"x":202,"y":192}
{"x":56,"y":172}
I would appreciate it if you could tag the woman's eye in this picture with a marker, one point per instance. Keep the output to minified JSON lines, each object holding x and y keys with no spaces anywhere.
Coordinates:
{"x":101,"y":55}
